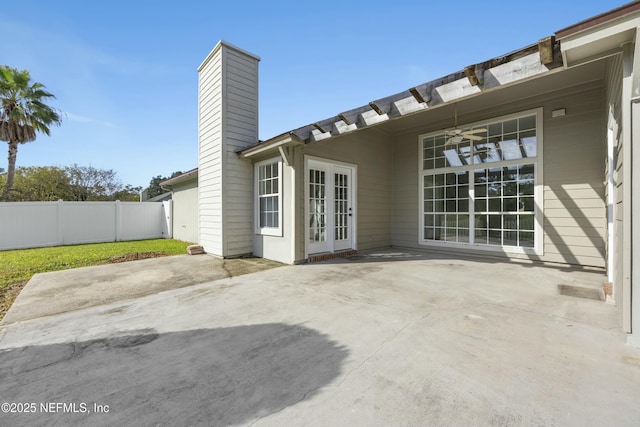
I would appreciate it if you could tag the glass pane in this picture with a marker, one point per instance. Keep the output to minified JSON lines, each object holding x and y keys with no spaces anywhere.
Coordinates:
{"x":463,"y":221}
{"x":451,"y":192}
{"x":481,"y":190}
{"x":510,"y":238}
{"x":526,"y":123}
{"x":428,"y":206}
{"x":495,"y":237}
{"x":526,"y":239}
{"x":428,"y":220}
{"x":525,"y":188}
{"x":495,"y":129}
{"x":481,"y":237}
{"x":526,"y":204}
{"x":527,"y":222}
{"x":494,"y":205}
{"x":463,"y":205}
{"x":510,"y":222}
{"x":525,"y":173}
{"x":510,"y":149}
{"x":529,"y":146}
{"x":494,"y":175}
{"x":429,"y":153}
{"x":495,"y":221}
{"x":510,"y":126}
{"x":510,"y":204}
{"x":428,"y":233}
{"x":510,"y":188}
{"x":480,"y":205}
{"x":451,"y":206}
{"x":482,"y":221}
{"x":463,"y":235}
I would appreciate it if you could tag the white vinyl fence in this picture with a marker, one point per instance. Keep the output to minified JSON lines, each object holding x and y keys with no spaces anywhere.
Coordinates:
{"x":37,"y":224}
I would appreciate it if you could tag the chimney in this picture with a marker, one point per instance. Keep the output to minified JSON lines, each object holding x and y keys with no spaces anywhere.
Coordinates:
{"x":227,"y":122}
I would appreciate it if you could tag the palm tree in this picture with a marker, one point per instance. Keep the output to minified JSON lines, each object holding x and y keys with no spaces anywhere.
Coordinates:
{"x":22,"y":114}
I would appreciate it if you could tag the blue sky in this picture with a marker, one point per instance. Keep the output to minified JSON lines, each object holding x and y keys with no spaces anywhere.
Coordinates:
{"x":124,"y":72}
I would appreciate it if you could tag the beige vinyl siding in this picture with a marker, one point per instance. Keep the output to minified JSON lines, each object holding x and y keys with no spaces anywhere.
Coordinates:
{"x":573,"y":152}
{"x":371,"y":152}
{"x":185,"y":211}
{"x":228,"y":122}
{"x":241,"y":131}
{"x":210,"y":159}
{"x":613,"y":80}
{"x":406,"y":211}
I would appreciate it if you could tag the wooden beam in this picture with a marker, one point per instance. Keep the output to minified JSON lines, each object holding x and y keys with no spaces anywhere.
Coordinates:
{"x":545,"y":49}
{"x":376,"y":108}
{"x":417,"y":95}
{"x":470,"y":72}
{"x":344,"y":119}
{"x":317,"y":126}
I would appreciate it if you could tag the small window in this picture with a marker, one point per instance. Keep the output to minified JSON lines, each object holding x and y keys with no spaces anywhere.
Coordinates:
{"x":268,"y":186}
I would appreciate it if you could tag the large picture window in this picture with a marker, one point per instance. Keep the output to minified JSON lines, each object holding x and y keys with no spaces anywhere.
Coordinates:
{"x":268,"y":185}
{"x":483,"y":191}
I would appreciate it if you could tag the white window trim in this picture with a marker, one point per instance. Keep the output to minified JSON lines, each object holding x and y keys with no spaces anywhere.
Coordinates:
{"x":538,"y":248}
{"x":267,"y":231}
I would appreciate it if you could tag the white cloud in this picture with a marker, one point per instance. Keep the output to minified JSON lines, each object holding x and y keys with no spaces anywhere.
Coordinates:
{"x":84,"y":119}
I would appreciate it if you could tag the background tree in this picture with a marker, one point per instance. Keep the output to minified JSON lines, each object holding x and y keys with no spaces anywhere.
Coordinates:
{"x":154,"y":188}
{"x":23,"y":112}
{"x":128,"y":194}
{"x":74,"y":183}
{"x":40,"y":183}
{"x":89,"y":183}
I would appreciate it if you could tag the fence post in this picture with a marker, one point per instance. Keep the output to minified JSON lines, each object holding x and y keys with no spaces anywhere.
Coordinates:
{"x":167,"y":210}
{"x":60,"y":222}
{"x":118,"y":220}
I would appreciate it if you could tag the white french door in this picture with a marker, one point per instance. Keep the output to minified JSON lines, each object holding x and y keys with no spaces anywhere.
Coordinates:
{"x":330,"y":207}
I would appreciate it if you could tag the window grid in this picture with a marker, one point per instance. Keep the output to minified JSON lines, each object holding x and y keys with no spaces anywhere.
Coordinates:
{"x":504,"y":206}
{"x":498,"y":209}
{"x":446,"y":207}
{"x":341,"y":207}
{"x":317,"y":206}
{"x":269,"y":195}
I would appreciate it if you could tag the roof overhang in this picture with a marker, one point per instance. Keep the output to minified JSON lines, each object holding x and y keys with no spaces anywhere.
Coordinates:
{"x":600,"y":36}
{"x":187,"y":176}
{"x":279,"y":142}
{"x":516,"y":67}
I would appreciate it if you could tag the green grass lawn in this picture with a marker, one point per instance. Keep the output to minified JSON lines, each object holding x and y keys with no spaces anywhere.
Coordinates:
{"x":17,"y":266}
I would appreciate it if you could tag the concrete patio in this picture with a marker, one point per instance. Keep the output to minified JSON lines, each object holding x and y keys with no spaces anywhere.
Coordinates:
{"x":384,"y":338}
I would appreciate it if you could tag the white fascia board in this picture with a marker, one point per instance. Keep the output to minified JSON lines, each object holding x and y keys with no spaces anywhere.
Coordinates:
{"x":269,"y":146}
{"x":598,"y":41}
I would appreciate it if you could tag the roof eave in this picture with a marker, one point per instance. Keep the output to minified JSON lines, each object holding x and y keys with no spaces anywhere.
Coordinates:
{"x":282,"y":140}
{"x":187,"y":176}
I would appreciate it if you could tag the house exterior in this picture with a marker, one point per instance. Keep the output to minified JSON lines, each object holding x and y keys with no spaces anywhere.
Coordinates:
{"x":527,"y":156}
